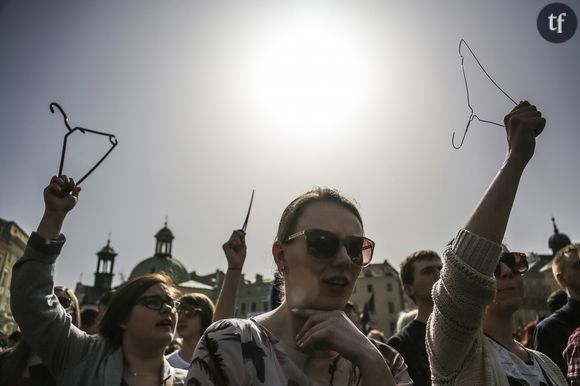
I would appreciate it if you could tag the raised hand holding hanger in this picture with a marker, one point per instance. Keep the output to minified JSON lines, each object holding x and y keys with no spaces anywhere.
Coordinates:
{"x":112,"y":140}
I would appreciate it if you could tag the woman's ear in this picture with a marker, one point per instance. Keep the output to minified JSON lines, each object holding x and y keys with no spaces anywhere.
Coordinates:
{"x":279,"y":258}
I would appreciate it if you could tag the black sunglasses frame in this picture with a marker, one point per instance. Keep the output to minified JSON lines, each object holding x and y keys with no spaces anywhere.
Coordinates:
{"x":333,"y":242}
{"x":517,"y":262}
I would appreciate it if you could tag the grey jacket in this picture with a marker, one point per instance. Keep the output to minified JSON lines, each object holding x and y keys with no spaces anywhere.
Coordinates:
{"x":73,"y":356}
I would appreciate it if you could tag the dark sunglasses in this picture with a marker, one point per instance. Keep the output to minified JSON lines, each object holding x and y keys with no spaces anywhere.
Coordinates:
{"x":325,"y":245}
{"x":156,"y":303}
{"x":188,"y":312}
{"x":516,"y":261}
{"x":64,"y":302}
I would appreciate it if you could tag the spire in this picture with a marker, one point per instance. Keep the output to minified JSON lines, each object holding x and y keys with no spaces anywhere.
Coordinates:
{"x":558,"y":240}
{"x":164,"y":240}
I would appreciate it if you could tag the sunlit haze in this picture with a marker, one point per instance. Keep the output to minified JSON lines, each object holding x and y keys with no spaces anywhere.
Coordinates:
{"x":210,"y":100}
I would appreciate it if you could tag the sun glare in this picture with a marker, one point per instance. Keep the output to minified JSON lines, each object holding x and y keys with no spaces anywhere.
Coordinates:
{"x":310,"y":73}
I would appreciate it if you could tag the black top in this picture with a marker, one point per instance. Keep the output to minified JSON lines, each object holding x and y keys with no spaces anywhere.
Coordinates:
{"x":410,"y":343}
{"x":553,"y":332}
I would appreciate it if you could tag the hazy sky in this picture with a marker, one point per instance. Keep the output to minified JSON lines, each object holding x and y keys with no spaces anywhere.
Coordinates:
{"x":211,"y":99}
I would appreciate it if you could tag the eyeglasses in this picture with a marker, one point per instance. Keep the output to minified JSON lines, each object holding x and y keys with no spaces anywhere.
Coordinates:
{"x":187,"y":312}
{"x":64,"y":302}
{"x":156,"y":303}
{"x":516,"y":261}
{"x":325,"y":245}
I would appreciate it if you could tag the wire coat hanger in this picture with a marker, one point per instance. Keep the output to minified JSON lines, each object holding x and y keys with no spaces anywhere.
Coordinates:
{"x":472,"y":115}
{"x":112,"y":140}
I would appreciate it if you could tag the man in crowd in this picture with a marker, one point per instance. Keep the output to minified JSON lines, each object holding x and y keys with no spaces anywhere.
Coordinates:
{"x":553,"y":332}
{"x":419,"y":271}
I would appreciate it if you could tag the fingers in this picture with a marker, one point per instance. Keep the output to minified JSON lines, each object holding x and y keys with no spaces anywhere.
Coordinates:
{"x":61,"y":195}
{"x":67,"y":187}
{"x":314,"y":318}
{"x":316,"y":338}
{"x":525,"y":115}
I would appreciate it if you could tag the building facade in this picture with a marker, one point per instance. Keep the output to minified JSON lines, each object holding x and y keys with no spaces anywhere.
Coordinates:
{"x":13,"y":241}
{"x":379,"y":290}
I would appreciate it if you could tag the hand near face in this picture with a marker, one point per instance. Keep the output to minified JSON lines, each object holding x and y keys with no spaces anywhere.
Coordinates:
{"x":334,"y":331}
{"x":235,"y":249}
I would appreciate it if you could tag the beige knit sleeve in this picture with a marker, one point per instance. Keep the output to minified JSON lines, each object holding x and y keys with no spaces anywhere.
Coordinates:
{"x":466,"y":286}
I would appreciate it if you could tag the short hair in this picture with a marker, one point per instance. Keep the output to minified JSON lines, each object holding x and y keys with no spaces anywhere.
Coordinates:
{"x":295,"y":209}
{"x":406,"y":317}
{"x":558,"y":263}
{"x":123,"y":300}
{"x":408,"y":264}
{"x":197,"y":300}
{"x":557,"y":300}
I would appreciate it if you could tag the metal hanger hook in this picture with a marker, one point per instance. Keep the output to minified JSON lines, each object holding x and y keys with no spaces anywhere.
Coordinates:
{"x":52,"y":105}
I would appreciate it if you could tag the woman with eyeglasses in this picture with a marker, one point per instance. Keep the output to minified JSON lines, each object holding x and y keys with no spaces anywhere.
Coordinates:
{"x":19,"y":365}
{"x":197,"y":311}
{"x":319,"y":250}
{"x":195,"y":315}
{"x":134,"y":331}
{"x":470,"y":331}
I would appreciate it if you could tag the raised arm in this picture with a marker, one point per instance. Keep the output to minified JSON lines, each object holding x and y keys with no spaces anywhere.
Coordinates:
{"x":235,"y":251}
{"x":467,"y":285}
{"x":490,"y":218}
{"x":44,"y":323}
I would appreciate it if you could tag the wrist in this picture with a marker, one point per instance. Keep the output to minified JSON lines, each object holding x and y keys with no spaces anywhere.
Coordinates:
{"x":51,"y":224}
{"x":515,"y":159}
{"x":373,"y":362}
{"x":234,"y":268}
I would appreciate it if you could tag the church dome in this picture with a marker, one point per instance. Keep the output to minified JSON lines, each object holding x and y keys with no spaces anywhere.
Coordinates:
{"x":168,"y":265}
{"x":162,"y":261}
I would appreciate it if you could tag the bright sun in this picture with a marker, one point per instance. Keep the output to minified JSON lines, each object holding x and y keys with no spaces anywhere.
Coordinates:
{"x":308,"y":73}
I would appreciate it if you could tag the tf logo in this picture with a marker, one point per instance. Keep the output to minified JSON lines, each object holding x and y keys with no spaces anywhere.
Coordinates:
{"x":557,"y":22}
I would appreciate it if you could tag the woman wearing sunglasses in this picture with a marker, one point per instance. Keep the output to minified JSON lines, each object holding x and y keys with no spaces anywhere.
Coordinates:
{"x":137,"y":326}
{"x":469,"y":334}
{"x":319,"y":250}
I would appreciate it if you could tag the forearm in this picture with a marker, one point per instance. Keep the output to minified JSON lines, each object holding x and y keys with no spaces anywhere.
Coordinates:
{"x":226,"y":303}
{"x":51,"y":224}
{"x":460,"y":297}
{"x":490,"y":218}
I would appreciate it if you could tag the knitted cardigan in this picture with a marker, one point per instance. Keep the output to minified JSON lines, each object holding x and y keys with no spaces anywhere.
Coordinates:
{"x":459,"y":353}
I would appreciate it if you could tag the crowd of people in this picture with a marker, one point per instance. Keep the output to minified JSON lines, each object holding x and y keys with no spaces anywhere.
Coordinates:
{"x":462,"y":332}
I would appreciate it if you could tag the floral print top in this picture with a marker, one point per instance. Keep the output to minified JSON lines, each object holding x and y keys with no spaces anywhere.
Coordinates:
{"x":243,"y":352}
